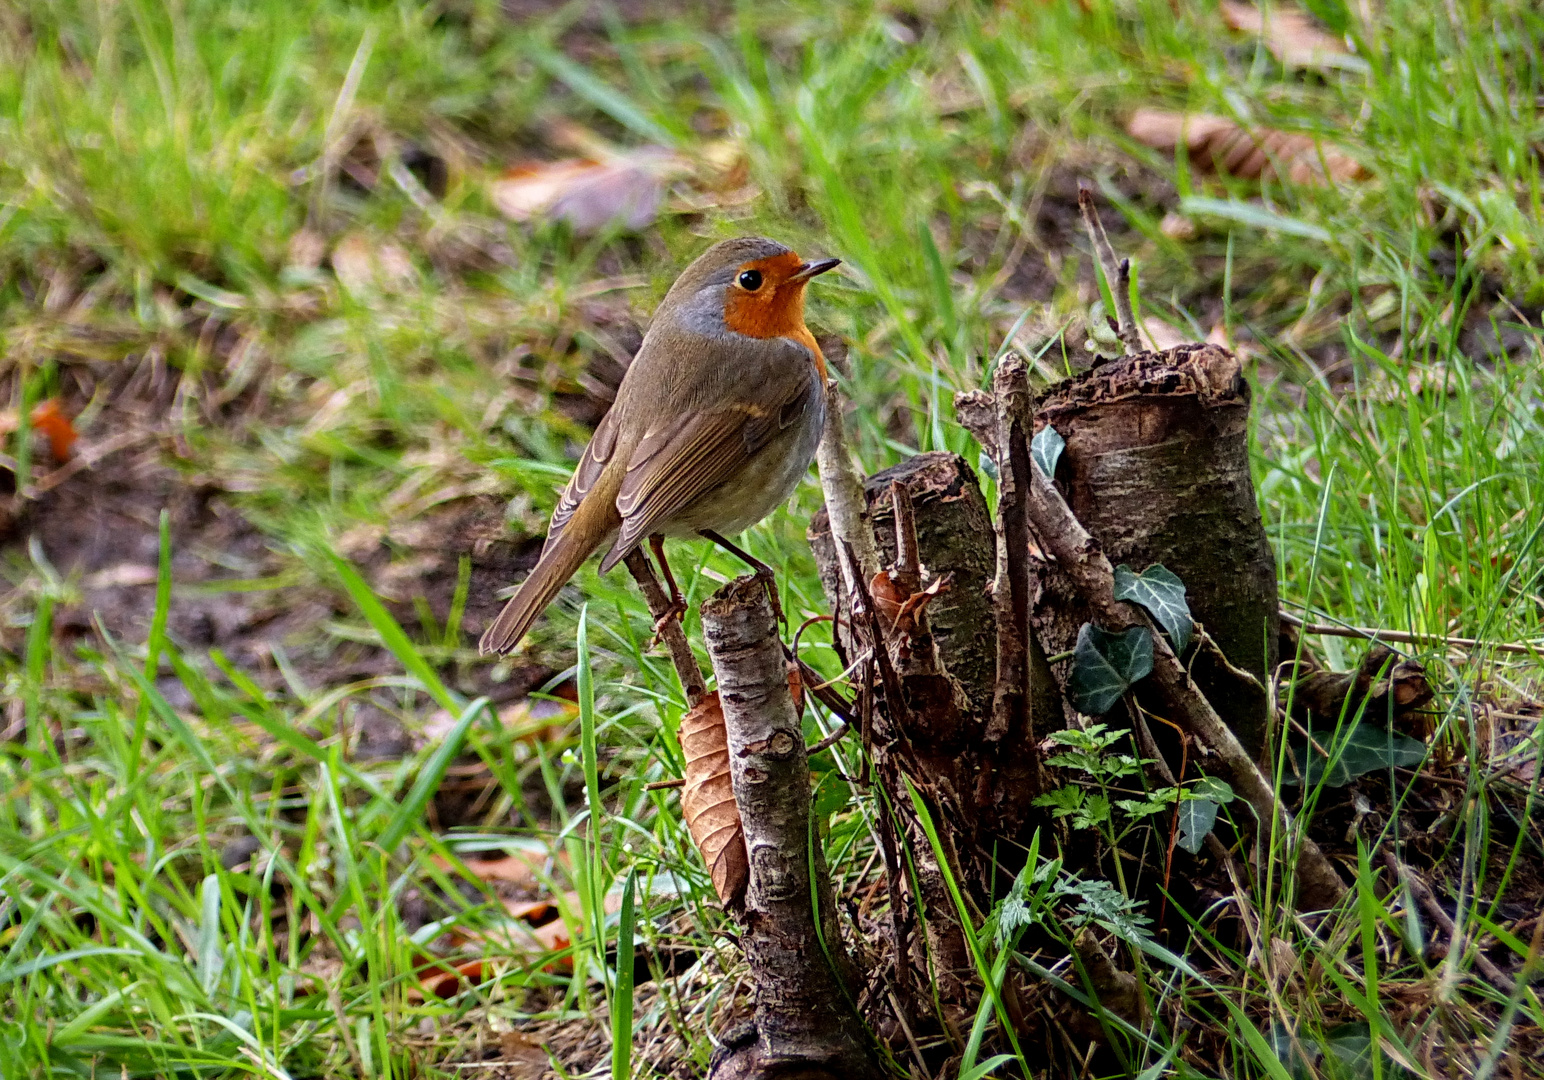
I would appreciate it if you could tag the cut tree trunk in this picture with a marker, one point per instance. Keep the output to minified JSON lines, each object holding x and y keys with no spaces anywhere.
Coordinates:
{"x":806,"y":1024}
{"x":1156,"y":468}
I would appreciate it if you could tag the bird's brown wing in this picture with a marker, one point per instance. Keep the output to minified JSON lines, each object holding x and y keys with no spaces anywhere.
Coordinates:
{"x":591,"y":463}
{"x":683,"y":460}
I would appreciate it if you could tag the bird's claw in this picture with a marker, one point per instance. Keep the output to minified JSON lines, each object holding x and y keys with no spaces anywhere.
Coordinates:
{"x":676,"y":611}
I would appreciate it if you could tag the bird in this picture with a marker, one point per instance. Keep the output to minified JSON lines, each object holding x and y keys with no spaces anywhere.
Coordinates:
{"x":714,"y":425}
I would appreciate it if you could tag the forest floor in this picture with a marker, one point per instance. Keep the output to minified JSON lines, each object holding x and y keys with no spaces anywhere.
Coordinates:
{"x":303,"y":328}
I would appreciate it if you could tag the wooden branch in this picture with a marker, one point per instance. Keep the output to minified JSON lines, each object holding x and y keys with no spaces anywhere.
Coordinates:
{"x":1117,"y":273}
{"x":1418,"y":891}
{"x":1010,"y":699}
{"x":670,"y":630}
{"x":845,"y":503}
{"x":1403,"y":638}
{"x":805,"y":1020}
{"x":1079,"y":556}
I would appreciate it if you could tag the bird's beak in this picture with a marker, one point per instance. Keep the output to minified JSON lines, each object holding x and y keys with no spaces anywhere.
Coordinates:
{"x":812,"y":269}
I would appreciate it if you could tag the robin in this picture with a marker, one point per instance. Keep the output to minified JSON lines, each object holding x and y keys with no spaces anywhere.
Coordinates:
{"x":714,"y":425}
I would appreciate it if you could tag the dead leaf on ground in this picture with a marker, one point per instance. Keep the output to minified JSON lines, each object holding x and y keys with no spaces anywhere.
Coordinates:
{"x":517,"y":869}
{"x":49,"y":420}
{"x":446,"y":980}
{"x":525,"y":1054}
{"x":1218,"y":144}
{"x":707,"y":801}
{"x":1291,"y":35}
{"x":365,"y":264}
{"x":625,"y":189}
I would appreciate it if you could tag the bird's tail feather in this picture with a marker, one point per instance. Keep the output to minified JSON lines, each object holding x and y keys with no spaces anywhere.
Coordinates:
{"x":557,"y":564}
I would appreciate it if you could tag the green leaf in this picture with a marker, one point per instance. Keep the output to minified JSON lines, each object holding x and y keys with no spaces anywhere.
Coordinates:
{"x":1162,"y":593}
{"x":1104,"y":665}
{"x":1196,"y":818}
{"x":1214,"y":788}
{"x":1366,"y":749}
{"x":1046,"y":448}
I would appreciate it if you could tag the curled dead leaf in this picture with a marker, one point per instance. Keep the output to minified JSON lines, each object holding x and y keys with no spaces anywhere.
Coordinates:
{"x":1219,"y":145}
{"x":898,"y":610}
{"x":1291,"y":36}
{"x":707,"y":801}
{"x":447,"y":980}
{"x":624,"y":189}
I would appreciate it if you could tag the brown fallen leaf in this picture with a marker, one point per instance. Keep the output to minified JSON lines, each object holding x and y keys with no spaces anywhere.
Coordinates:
{"x":1291,"y":35}
{"x":524,"y":1055}
{"x":530,"y":720}
{"x":1217,"y":144}
{"x":446,"y":980}
{"x":707,"y":801}
{"x":624,"y":189}
{"x":51,"y":421}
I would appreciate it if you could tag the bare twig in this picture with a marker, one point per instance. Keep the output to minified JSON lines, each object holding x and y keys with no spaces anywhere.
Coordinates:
{"x":1117,"y":272}
{"x":845,"y":504}
{"x":1403,"y":638}
{"x":1010,"y":700}
{"x":1421,"y":894}
{"x":670,"y":631}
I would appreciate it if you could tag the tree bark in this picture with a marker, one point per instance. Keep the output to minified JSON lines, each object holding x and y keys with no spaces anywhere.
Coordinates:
{"x":806,"y":1023}
{"x":954,"y":536}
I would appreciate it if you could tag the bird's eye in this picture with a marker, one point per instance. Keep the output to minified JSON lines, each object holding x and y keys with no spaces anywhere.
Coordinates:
{"x":750,"y":280}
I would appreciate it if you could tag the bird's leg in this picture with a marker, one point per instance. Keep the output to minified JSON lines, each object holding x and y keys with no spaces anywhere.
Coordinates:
{"x":677,"y":607}
{"x":763,"y":571}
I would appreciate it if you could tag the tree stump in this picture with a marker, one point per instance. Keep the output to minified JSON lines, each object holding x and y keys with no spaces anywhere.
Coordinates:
{"x":1156,"y":468}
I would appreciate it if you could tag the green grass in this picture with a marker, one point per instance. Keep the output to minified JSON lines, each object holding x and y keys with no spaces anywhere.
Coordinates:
{"x":158,"y":162}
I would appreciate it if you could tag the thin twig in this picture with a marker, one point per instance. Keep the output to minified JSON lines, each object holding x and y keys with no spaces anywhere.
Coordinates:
{"x":1403,"y":638}
{"x":1117,"y":272}
{"x":669,"y":627}
{"x":1419,"y":892}
{"x":1010,"y":699}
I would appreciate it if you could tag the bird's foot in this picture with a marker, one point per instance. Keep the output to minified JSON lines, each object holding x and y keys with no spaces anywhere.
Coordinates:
{"x":676,"y":612}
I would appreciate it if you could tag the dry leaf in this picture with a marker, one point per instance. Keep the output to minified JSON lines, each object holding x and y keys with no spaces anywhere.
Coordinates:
{"x":897,"y":610}
{"x":307,"y":249}
{"x":529,"y":720}
{"x":625,"y":189}
{"x":1218,"y":144}
{"x":525,"y":1055}
{"x":49,"y":419}
{"x":1291,"y":35}
{"x":707,"y":801}
{"x":446,"y":981}
{"x":364,"y":264}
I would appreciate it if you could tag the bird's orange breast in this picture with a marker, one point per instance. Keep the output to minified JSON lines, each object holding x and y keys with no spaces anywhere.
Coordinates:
{"x":776,"y":309}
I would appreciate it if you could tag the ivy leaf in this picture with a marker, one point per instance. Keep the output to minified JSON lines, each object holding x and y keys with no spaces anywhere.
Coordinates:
{"x":1162,"y":593}
{"x":1196,"y":818}
{"x":1212,"y":787}
{"x":1046,"y":448}
{"x":1366,"y":749}
{"x":1104,"y":665}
